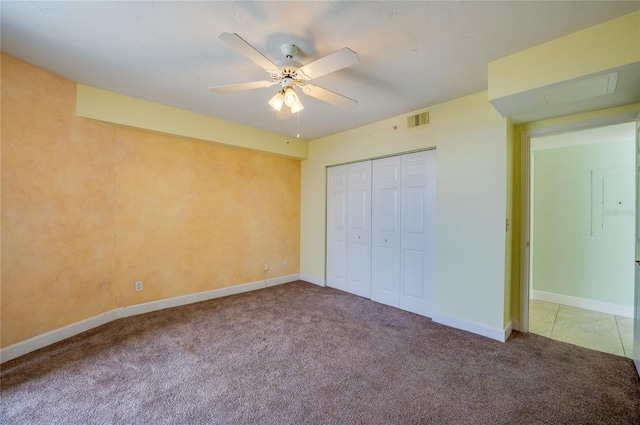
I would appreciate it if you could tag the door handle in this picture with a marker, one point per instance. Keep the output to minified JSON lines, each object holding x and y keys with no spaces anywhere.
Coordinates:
{"x":638,"y":262}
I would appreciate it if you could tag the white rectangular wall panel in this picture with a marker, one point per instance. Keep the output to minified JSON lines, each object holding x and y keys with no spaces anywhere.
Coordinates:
{"x":612,"y":201}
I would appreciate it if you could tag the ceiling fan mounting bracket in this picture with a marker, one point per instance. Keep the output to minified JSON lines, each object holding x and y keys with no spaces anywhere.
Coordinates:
{"x":289,"y":50}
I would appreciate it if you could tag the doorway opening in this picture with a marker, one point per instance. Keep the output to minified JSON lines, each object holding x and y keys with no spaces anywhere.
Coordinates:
{"x":578,"y":286}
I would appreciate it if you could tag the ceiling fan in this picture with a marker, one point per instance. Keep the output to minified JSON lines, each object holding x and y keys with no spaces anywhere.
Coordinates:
{"x":290,"y":73}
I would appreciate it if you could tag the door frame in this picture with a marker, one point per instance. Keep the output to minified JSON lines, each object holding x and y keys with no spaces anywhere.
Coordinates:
{"x":525,"y":195}
{"x":636,"y":300}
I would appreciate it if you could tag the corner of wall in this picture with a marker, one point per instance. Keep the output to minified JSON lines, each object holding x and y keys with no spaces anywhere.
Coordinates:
{"x":508,"y":286}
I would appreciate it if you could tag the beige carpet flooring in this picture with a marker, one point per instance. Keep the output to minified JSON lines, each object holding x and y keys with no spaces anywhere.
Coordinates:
{"x":301,"y":354}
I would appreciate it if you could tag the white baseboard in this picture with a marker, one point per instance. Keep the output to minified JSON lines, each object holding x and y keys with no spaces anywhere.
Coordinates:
{"x":40,"y":341}
{"x":476,"y":328}
{"x":617,"y":309}
{"x":515,"y":325}
{"x":37,"y":342}
{"x":282,"y":279}
{"x":507,"y":330}
{"x":314,"y":280}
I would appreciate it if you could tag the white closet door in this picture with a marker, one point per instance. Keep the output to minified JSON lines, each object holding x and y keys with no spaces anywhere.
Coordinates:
{"x":380,"y":230}
{"x":385,"y":225}
{"x":337,"y":227}
{"x":359,"y":229}
{"x":417,"y":231}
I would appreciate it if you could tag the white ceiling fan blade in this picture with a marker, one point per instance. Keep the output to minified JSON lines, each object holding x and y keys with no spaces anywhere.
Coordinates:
{"x":329,"y":96}
{"x":238,"y":43}
{"x":241,"y":86}
{"x":337,"y":60}
{"x":284,"y":113}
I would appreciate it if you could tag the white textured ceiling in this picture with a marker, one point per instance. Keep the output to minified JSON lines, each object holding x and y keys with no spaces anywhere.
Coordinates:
{"x":412,"y":54}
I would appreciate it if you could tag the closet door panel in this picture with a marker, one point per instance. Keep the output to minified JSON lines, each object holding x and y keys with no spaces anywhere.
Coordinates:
{"x":414,"y":274}
{"x":417,"y":232}
{"x":359,"y":229}
{"x":385,"y":277}
{"x":337,"y":227}
{"x":385,"y":270}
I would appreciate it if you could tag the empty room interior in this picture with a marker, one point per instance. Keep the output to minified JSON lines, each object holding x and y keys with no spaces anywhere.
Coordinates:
{"x":320,"y":212}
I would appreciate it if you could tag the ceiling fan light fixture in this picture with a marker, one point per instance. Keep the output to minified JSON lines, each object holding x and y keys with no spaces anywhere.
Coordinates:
{"x":290,"y":97}
{"x":297,"y":107}
{"x":277,"y":101}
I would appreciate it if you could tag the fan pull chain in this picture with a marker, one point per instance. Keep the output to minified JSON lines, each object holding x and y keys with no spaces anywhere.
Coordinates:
{"x":286,"y":131}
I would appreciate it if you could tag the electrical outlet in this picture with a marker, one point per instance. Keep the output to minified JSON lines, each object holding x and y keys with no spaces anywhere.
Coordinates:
{"x":138,"y":285}
{"x":266,"y":267}
{"x":286,"y":263}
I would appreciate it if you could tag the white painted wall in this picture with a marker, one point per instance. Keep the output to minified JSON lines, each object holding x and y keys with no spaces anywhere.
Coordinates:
{"x":574,"y":264}
{"x":471,"y":138}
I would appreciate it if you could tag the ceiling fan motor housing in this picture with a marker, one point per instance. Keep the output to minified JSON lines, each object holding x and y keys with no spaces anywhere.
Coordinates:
{"x":288,"y":69}
{"x":287,"y":82}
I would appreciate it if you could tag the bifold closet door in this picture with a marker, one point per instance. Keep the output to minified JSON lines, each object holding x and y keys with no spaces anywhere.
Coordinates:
{"x":403,"y":223}
{"x":380,"y":230}
{"x":349,"y":228}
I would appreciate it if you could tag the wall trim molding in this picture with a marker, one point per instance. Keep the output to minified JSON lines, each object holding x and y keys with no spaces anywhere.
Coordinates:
{"x":314,"y":280}
{"x":43,"y":340}
{"x":507,"y":331}
{"x":515,"y":325}
{"x":476,"y":328}
{"x":603,"y":307}
{"x":40,"y":341}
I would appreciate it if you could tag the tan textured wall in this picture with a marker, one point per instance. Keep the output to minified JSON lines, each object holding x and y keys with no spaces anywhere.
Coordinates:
{"x":57,"y":206}
{"x":88,"y":209}
{"x":205,"y":216}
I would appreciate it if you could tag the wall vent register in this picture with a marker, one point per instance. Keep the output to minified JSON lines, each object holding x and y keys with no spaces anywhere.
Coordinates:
{"x":419,"y":120}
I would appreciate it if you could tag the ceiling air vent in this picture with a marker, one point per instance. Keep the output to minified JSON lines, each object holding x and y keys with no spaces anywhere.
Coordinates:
{"x":418,"y":120}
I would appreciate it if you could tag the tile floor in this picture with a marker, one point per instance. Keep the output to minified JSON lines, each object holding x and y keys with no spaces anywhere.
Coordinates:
{"x":586,"y":328}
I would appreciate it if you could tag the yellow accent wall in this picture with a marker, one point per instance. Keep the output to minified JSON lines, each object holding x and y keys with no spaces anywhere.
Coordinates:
{"x":128,"y":111}
{"x":599,"y":48}
{"x":88,"y":208}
